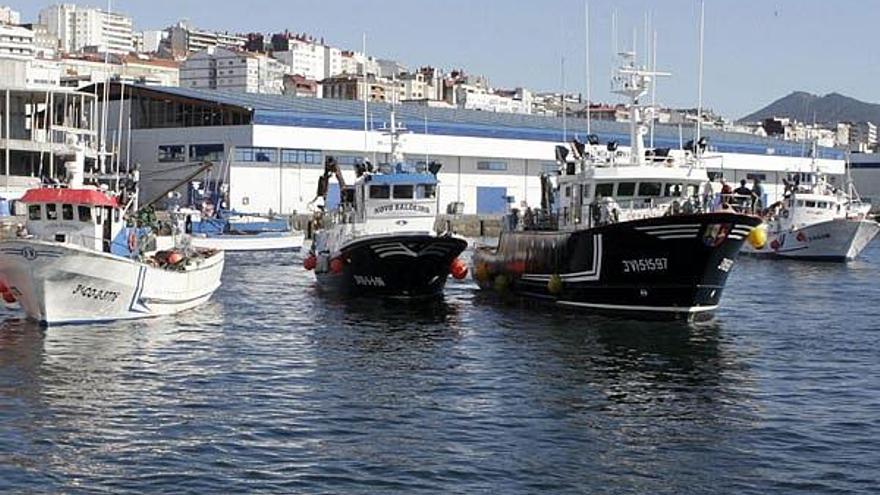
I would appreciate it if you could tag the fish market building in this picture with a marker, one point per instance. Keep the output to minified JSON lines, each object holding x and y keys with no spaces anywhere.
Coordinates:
{"x":271,"y":148}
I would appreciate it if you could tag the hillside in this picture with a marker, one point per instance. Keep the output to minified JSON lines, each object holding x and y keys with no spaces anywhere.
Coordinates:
{"x":833,"y":107}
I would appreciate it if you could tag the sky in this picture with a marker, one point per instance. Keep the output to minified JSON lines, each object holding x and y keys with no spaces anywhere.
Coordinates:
{"x":755,"y":51}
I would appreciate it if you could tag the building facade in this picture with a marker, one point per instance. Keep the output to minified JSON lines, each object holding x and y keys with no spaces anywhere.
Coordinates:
{"x":275,"y":147}
{"x":78,"y":28}
{"x":182,"y":39}
{"x":232,"y":70}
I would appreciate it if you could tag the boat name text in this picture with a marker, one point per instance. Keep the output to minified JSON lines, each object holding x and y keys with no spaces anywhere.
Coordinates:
{"x":645,"y":265}
{"x":403,"y":207}
{"x":369,"y":281}
{"x":97,"y":294}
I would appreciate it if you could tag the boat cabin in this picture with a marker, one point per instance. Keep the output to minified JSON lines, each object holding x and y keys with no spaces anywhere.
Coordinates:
{"x":402,"y":199}
{"x":600,"y":196}
{"x":85,"y":217}
{"x":800,"y":209}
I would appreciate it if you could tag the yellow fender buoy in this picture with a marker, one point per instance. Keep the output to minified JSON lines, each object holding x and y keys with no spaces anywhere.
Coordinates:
{"x":758,"y":237}
{"x":554,"y":285}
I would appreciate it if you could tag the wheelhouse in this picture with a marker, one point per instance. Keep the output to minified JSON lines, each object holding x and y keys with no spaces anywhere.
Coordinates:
{"x":85,"y":217}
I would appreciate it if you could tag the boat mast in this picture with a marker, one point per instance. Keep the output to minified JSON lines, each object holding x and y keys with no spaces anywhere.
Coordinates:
{"x":587,"y":60}
{"x":700,"y":79}
{"x":632,"y":82}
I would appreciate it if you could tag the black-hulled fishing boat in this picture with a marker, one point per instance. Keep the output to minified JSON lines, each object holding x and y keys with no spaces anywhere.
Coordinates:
{"x":381,"y":240}
{"x":622,"y":231}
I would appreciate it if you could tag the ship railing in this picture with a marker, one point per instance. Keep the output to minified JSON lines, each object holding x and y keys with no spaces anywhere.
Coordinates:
{"x":739,"y":203}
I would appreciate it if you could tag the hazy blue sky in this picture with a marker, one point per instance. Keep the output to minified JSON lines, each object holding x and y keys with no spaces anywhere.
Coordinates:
{"x":755,"y":50}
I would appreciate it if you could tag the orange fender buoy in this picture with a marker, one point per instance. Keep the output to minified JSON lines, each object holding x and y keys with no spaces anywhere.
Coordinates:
{"x":336,"y":265}
{"x":310,"y":262}
{"x":458,"y":269}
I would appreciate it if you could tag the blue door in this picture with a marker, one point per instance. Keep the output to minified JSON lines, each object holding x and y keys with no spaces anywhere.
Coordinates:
{"x":491,"y":200}
{"x":332,"y":196}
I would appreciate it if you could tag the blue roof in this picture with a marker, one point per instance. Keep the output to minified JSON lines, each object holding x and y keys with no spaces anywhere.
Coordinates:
{"x":346,"y":114}
{"x":402,"y":179}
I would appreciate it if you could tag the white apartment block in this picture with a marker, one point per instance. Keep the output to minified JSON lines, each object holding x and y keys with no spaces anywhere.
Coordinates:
{"x":862,"y":136}
{"x":304,"y":58}
{"x":81,"y":27}
{"x":16,"y":42}
{"x":230,"y":70}
{"x":9,"y":16}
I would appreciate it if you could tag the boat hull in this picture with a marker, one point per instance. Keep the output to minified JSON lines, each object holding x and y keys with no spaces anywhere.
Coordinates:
{"x":839,"y":239}
{"x":59,"y":283}
{"x":394,"y":265}
{"x":282,"y":241}
{"x":667,"y":267}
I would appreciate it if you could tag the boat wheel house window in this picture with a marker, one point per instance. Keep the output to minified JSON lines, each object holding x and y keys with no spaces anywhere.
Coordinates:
{"x":35,"y":212}
{"x":67,"y":212}
{"x":403,"y":191}
{"x":172,"y":153}
{"x":426,"y":191}
{"x":85,"y":213}
{"x":380,"y":192}
{"x":649,"y":188}
{"x":626,"y":189}
{"x":206,"y":152}
{"x":51,"y":212}
{"x":604,"y":190}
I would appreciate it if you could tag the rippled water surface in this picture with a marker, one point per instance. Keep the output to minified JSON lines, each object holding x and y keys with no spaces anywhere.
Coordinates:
{"x":273,"y":387}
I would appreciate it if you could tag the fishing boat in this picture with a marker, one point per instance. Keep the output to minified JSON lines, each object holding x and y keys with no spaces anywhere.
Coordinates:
{"x":78,"y":259}
{"x":381,"y":240}
{"x":817,"y":221}
{"x":630,"y":232}
{"x":214,"y":227}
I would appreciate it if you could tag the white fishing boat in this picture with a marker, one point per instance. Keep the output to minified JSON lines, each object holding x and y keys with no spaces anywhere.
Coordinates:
{"x":816,"y":221}
{"x":242,"y":232}
{"x":74,"y":260}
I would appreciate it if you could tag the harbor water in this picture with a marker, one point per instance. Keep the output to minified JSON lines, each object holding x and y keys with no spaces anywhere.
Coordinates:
{"x":274,"y":387}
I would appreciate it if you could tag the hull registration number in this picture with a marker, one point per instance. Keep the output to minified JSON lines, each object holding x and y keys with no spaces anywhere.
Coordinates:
{"x":645,"y":265}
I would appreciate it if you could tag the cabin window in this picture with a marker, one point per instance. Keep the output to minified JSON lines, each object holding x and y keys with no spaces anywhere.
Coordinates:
{"x":116,"y":215}
{"x":604,"y":190}
{"x":35,"y":212}
{"x":67,"y":212}
{"x":380,"y":192}
{"x":99,"y":216}
{"x":673,"y":190}
{"x":800,"y":202}
{"x":426,"y":191}
{"x":172,"y":153}
{"x":403,"y":191}
{"x":51,"y":212}
{"x":823,"y":205}
{"x":810,"y":204}
{"x":585,"y":194}
{"x":567,"y":191}
{"x":85,"y":213}
{"x":649,"y":188}
{"x":626,"y":189}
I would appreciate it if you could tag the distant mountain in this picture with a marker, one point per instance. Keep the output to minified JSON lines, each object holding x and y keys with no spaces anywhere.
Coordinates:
{"x":833,"y":107}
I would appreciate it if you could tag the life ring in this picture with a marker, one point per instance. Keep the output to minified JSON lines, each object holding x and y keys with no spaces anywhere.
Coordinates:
{"x":132,"y":241}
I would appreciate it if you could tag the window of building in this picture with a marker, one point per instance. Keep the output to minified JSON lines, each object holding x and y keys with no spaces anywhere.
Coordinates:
{"x":249,"y":154}
{"x":380,"y":192}
{"x":85,"y":213}
{"x":494,"y":165}
{"x":403,"y":191}
{"x":308,"y":157}
{"x":67,"y":212}
{"x":348,"y":159}
{"x":206,"y":152}
{"x":172,"y":153}
{"x":626,"y":189}
{"x":761,"y":177}
{"x":35,"y":212}
{"x":650,"y":188}
{"x":51,"y":212}
{"x":604,"y":189}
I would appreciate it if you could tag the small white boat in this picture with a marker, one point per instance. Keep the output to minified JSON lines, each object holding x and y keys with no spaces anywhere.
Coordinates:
{"x":75,"y":261}
{"x":241,"y":232}
{"x":262,"y":241}
{"x":817,"y":222}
